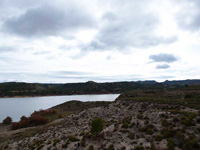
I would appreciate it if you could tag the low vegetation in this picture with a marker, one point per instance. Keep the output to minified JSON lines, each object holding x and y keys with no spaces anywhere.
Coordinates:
{"x":36,"y":118}
{"x":7,"y":120}
{"x":140,"y":119}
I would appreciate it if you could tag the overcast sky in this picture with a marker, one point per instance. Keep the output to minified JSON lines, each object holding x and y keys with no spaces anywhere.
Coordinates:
{"x":59,"y":41}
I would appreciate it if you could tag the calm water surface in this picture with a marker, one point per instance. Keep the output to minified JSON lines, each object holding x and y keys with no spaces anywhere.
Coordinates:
{"x":17,"y":107}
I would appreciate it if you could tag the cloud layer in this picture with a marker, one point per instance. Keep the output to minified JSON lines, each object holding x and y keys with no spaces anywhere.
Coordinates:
{"x":107,"y":40}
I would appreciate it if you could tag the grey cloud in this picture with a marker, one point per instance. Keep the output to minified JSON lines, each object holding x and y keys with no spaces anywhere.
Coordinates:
{"x":109,"y":16}
{"x":48,"y":20}
{"x":128,"y":25}
{"x":6,"y":49}
{"x":109,"y":57}
{"x":125,"y":35}
{"x":164,"y":66}
{"x":169,"y":58}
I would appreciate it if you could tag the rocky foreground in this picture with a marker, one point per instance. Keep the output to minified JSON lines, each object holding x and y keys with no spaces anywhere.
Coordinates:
{"x":129,"y":124}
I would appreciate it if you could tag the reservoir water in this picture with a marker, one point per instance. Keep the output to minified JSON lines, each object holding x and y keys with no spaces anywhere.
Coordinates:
{"x":17,"y":107}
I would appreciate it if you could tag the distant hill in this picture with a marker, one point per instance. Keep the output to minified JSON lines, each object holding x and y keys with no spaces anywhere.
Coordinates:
{"x":183,"y":82}
{"x":11,"y":89}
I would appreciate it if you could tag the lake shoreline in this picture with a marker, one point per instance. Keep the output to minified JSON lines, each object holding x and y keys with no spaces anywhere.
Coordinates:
{"x":14,"y":107}
{"x":55,"y":95}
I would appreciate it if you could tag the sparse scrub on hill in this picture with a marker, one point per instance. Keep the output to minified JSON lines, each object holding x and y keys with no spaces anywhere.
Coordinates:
{"x":139,"y":124}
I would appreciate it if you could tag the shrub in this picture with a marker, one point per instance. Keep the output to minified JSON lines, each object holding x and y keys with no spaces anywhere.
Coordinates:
{"x":140,"y":116}
{"x":126,"y":121}
{"x":175,"y":120}
{"x":65,"y":145}
{"x":111,"y":147}
{"x":158,"y":137}
{"x":60,"y":115}
{"x":14,"y":126}
{"x":188,"y":122}
{"x":149,"y":131}
{"x":23,"y":123}
{"x":83,"y":142}
{"x":35,"y":120}
{"x":139,"y":148}
{"x":131,"y":136}
{"x":179,"y":135}
{"x":91,"y":147}
{"x":168,"y":133}
{"x":146,"y":122}
{"x":192,"y":144}
{"x":165,"y":123}
{"x":170,"y":145}
{"x":96,"y":125}
{"x":125,"y":125}
{"x":7,"y":120}
{"x":23,"y":118}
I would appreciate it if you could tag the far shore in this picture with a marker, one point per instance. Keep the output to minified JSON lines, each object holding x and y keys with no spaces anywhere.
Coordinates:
{"x":55,"y":95}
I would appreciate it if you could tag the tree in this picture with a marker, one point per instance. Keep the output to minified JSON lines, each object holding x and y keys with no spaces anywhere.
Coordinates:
{"x":7,"y":120}
{"x":96,"y":125}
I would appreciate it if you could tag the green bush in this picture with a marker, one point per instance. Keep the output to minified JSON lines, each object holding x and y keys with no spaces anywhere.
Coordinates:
{"x":7,"y":120}
{"x":149,"y":131}
{"x":190,"y":145}
{"x":158,"y":137}
{"x":126,"y":121}
{"x":165,"y":123}
{"x":179,"y":135}
{"x":188,"y":122}
{"x":125,"y":125}
{"x":170,"y":145}
{"x":97,"y":125}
